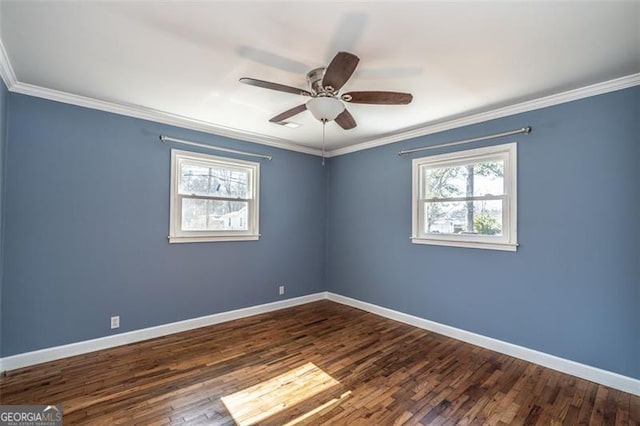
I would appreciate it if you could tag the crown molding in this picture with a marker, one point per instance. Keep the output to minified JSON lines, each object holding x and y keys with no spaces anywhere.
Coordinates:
{"x":137,"y":111}
{"x":547,"y":101}
{"x":6,"y":70}
{"x":157,"y":116}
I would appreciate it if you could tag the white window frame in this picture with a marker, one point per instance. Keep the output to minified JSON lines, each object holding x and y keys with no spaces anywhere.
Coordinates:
{"x":508,"y":240}
{"x":177,"y":235}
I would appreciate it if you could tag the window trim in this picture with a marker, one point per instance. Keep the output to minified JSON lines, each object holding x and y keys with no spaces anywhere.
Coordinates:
{"x":506,"y":242}
{"x":177,"y":235}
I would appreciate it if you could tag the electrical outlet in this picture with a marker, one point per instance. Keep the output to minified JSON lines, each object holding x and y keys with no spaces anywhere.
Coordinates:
{"x":281,"y":290}
{"x":115,"y":321}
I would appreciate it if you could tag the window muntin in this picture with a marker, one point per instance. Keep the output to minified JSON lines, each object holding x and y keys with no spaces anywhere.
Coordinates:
{"x":213,"y":198}
{"x":466,"y":198}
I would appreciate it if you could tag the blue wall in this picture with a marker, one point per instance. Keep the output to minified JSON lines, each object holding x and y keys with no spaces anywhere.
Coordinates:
{"x":4,"y":94}
{"x":85,"y":214}
{"x":87,"y":220}
{"x":573,"y":287}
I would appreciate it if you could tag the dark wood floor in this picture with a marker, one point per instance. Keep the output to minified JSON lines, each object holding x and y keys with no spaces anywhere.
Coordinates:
{"x":320,"y":363}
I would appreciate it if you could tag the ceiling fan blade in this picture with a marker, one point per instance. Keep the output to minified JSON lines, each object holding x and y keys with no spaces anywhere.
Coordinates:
{"x":274,"y":86}
{"x":339,"y":70}
{"x":288,"y":113}
{"x":380,"y":98}
{"x":346,"y":120}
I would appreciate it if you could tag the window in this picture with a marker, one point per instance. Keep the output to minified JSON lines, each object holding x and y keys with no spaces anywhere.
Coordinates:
{"x":466,"y":199}
{"x":213,"y":198}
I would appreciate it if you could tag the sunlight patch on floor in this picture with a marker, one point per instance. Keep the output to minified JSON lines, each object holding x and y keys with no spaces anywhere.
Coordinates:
{"x":256,"y":403}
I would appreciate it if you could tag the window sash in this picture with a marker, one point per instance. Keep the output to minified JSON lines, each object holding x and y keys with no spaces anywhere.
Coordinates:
{"x":213,"y":232}
{"x":472,"y":160}
{"x":504,"y":237}
{"x":212,"y":164}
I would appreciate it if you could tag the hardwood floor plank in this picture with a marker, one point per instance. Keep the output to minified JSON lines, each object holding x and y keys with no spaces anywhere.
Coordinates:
{"x":336,"y":364}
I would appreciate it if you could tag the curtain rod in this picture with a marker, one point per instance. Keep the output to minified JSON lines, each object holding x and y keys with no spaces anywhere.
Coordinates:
{"x":525,"y":130}
{"x":164,"y":138}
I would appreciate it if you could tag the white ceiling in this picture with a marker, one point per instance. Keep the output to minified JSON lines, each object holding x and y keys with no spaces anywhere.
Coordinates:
{"x":185,"y":58}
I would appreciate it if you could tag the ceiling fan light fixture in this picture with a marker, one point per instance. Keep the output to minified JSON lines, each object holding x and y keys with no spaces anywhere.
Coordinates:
{"x":325,"y":108}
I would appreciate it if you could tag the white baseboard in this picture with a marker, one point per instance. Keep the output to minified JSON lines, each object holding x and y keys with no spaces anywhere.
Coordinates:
{"x":597,"y":375}
{"x":57,"y":352}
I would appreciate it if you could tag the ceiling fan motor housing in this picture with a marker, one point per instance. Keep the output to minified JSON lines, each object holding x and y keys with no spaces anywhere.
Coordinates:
{"x":314,"y":78}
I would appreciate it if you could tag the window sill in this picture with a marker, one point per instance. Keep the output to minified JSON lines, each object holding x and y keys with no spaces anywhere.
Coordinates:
{"x":466,"y":244}
{"x":212,"y":238}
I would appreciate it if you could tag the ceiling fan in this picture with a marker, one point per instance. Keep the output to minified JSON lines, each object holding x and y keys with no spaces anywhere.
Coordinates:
{"x":326,"y":102}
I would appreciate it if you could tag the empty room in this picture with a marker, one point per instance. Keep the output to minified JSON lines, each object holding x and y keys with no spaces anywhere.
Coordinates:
{"x":319,"y":213}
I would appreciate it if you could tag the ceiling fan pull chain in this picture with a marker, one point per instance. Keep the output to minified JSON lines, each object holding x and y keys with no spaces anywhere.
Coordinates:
{"x":324,"y":124}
